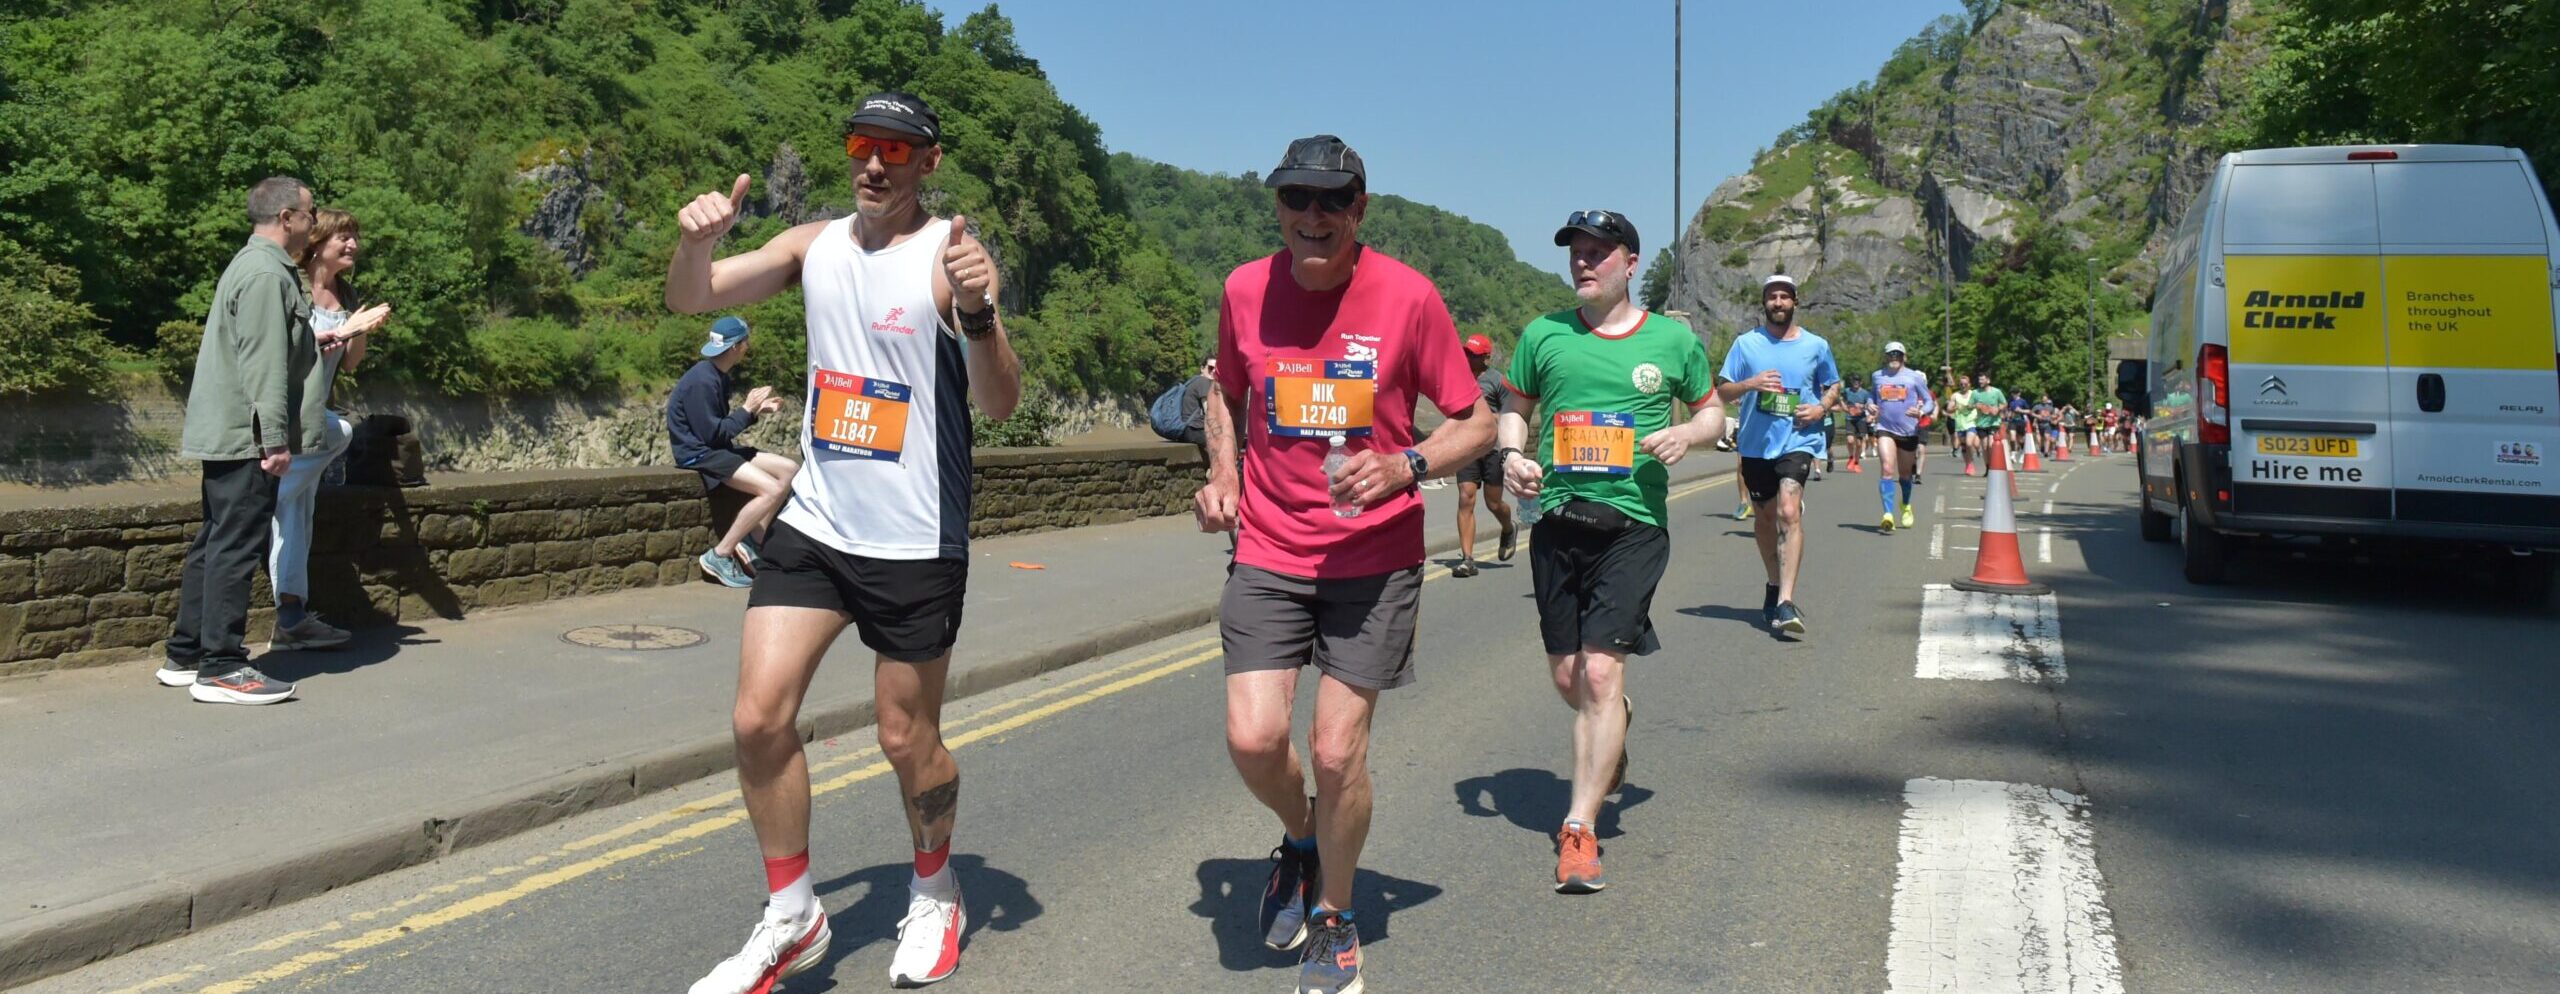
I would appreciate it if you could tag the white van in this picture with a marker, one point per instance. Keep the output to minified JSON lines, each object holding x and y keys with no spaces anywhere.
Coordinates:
{"x":2357,"y":343}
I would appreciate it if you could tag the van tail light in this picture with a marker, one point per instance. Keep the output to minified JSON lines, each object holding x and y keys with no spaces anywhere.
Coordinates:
{"x":2381,"y":155}
{"x":2213,"y":402}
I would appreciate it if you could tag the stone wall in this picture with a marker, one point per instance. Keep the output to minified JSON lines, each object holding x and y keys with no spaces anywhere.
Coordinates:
{"x":91,"y":577}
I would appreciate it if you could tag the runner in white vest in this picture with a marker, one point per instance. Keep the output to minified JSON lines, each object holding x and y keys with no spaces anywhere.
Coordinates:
{"x":903,"y":335}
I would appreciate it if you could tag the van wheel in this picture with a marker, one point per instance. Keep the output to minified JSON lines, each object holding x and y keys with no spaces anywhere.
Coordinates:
{"x":2156,"y":527}
{"x":2206,"y":551}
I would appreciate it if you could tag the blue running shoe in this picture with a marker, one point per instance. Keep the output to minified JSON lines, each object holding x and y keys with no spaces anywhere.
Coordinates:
{"x":1294,"y":877}
{"x":724,"y":569}
{"x":1331,"y":963}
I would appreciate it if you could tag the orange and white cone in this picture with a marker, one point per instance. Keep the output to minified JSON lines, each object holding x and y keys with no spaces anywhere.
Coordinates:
{"x":2094,"y":451}
{"x":2062,"y":453}
{"x":1998,"y":568}
{"x":2033,"y":464}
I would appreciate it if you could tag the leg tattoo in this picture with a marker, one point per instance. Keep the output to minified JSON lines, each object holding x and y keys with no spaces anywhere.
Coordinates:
{"x":929,"y":812}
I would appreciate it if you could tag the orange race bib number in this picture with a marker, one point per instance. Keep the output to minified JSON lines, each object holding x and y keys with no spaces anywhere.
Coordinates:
{"x":858,"y":416}
{"x":1893,"y":392}
{"x":1319,"y":398}
{"x":1601,"y":442}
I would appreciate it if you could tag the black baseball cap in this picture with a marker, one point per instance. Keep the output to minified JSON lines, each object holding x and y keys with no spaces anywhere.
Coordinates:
{"x":1610,"y":225}
{"x":898,"y":111}
{"x":1322,"y":162}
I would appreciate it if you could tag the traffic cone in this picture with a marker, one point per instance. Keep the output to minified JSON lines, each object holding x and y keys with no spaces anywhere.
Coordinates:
{"x":2094,"y":451}
{"x":2062,"y":453}
{"x":1998,"y":568}
{"x":2033,"y":464}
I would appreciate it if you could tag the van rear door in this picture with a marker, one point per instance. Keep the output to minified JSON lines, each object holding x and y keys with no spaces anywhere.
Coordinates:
{"x":2466,"y":263}
{"x":2310,"y":391}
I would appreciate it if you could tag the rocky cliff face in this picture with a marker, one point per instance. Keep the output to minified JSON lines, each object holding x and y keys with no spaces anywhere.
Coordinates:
{"x":2091,"y":115}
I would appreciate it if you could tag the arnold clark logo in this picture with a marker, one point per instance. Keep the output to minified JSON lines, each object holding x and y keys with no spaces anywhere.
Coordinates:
{"x":2267,"y":309}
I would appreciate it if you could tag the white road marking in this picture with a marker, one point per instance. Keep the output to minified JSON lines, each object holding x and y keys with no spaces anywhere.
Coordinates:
{"x":1940,"y":507}
{"x":1971,"y":636}
{"x":2044,"y":545}
{"x":1938,"y":540}
{"x":1998,"y":890}
{"x":2048,"y":507}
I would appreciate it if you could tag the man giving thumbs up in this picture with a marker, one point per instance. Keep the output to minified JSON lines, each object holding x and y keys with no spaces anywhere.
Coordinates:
{"x":903,"y":334}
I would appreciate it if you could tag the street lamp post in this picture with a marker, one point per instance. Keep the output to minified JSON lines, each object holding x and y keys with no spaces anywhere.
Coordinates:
{"x":1679,"y":227}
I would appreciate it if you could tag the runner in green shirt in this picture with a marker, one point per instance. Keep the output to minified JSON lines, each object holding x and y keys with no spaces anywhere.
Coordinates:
{"x":1990,"y":405}
{"x":1960,"y":414}
{"x":1599,"y":382}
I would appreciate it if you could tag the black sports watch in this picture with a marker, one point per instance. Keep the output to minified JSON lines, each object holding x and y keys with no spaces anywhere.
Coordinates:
{"x":1503,"y":455}
{"x":1421,"y":466}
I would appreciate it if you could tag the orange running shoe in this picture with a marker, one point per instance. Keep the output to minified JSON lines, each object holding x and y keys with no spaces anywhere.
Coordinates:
{"x":1578,"y":862}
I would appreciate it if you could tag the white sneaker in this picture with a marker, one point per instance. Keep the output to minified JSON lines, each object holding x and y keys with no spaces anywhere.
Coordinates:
{"x":929,"y":937}
{"x":779,"y":947}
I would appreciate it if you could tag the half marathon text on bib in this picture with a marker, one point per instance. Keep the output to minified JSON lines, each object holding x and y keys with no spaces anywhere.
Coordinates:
{"x":858,"y":416}
{"x":1781,"y":404}
{"x":1319,"y":398}
{"x":1595,"y":442}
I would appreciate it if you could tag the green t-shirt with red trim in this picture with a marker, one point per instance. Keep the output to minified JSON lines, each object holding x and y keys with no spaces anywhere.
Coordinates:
{"x":1597,"y":396}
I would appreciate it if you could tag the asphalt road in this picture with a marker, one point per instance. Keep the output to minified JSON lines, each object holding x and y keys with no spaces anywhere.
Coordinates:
{"x":2328,"y":777}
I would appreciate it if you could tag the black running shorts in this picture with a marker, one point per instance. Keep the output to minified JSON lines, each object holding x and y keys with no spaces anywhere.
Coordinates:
{"x":1595,"y":587}
{"x":1907,"y":443}
{"x":1761,"y":476}
{"x":907,"y":610}
{"x":1357,"y":629}
{"x":1486,"y":470}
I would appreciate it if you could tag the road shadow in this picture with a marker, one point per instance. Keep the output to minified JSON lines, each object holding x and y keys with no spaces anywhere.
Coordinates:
{"x":1231,"y":900}
{"x":1535,"y":800}
{"x":993,"y":898}
{"x":367,"y":647}
{"x":1745,"y":615}
{"x":1869,"y":529}
{"x":2245,"y":746}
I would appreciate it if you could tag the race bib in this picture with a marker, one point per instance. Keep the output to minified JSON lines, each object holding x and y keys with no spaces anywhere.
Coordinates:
{"x":1893,"y":392}
{"x":858,"y":416}
{"x":1601,"y":442}
{"x":1319,"y":398}
{"x":1780,"y":404}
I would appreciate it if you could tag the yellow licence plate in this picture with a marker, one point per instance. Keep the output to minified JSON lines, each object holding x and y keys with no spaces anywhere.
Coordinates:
{"x":2299,"y":445}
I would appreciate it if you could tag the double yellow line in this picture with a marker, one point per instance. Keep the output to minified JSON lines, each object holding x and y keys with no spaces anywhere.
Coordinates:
{"x":697,"y":818}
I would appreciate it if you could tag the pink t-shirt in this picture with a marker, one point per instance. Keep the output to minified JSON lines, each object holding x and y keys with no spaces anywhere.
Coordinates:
{"x":1313,"y":365}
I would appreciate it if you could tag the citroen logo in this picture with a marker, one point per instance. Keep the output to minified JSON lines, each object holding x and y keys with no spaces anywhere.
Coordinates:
{"x":2274,"y":384}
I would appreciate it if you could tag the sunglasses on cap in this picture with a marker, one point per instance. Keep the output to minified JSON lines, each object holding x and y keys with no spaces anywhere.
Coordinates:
{"x":1602,"y":220}
{"x":890,"y":150}
{"x":1334,"y":201}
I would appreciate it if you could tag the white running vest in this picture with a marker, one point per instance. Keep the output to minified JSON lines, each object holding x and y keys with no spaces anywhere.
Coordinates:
{"x":887,"y":430}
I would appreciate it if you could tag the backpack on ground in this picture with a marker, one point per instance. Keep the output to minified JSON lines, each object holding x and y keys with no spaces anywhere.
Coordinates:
{"x":1166,"y":416}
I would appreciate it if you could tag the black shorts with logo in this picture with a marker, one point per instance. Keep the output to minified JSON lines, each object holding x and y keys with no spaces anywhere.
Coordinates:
{"x":1761,"y":476}
{"x":905,"y":609}
{"x":1594,"y":586}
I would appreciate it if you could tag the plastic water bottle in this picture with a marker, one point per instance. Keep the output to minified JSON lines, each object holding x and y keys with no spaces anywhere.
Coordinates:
{"x":1340,"y":453}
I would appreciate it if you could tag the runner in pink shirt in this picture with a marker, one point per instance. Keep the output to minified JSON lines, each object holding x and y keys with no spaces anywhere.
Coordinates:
{"x":1323,"y":349}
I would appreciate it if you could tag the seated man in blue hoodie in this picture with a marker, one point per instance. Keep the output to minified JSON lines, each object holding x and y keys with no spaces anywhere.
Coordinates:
{"x":703,"y":430}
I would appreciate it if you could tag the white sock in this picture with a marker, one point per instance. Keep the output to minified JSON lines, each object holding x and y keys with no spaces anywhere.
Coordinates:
{"x":798,"y":899}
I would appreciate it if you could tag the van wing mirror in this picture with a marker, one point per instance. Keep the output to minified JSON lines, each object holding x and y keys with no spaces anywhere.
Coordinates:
{"x":2133,"y":386}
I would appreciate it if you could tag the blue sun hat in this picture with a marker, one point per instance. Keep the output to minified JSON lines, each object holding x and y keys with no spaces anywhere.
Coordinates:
{"x":726,"y":333}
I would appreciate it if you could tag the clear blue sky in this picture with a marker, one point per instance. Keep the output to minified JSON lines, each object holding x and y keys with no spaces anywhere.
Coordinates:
{"x":1513,"y":113}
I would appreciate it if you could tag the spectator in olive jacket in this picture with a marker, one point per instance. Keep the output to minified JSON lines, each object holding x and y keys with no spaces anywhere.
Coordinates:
{"x":247,"y":414}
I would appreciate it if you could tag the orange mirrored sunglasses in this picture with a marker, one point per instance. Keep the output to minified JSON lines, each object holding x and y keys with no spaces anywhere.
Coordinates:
{"x":890,"y":150}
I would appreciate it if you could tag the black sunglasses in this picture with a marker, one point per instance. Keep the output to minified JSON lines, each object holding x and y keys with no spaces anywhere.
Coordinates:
{"x":1333,"y":201}
{"x":1602,"y":220}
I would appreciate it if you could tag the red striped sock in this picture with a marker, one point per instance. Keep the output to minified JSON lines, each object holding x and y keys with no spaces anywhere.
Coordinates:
{"x":931,"y":861}
{"x":780,"y":873}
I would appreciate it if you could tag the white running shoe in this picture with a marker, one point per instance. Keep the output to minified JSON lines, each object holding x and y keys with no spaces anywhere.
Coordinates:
{"x":779,"y":947}
{"x":929,"y":937}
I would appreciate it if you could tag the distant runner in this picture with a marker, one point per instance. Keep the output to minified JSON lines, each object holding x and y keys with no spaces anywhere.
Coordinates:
{"x":1600,"y":381}
{"x":1902,"y":399}
{"x":1790,"y":380}
{"x":1483,"y":475}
